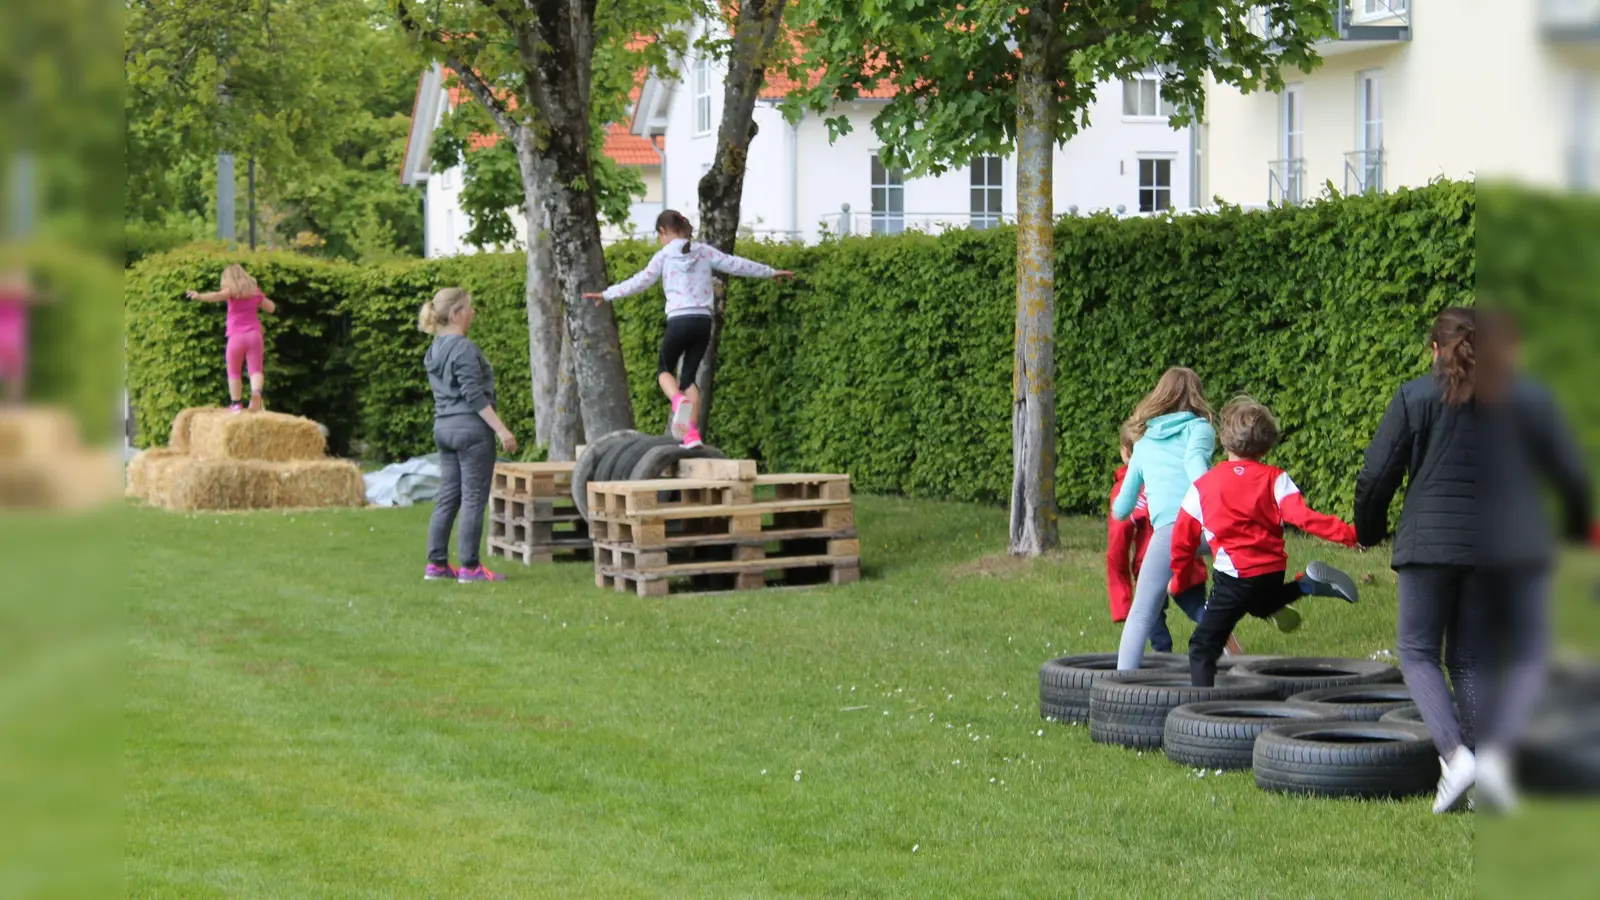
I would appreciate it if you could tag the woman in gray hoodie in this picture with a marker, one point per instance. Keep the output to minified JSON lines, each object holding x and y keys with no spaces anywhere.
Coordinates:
{"x":465,"y":426}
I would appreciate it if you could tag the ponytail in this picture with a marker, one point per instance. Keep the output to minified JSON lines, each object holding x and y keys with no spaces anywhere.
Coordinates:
{"x":1454,"y":338}
{"x":674,"y":223}
{"x":435,"y":314}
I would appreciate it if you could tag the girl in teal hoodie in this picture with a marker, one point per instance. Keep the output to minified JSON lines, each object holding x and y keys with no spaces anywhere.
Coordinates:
{"x":1176,"y":446}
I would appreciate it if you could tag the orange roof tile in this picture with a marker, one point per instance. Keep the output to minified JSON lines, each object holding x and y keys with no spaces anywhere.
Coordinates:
{"x":624,"y":147}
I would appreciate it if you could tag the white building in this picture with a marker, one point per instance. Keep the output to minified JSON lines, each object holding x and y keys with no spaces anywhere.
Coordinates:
{"x":1411,"y":90}
{"x":798,"y":186}
{"x":446,"y":223}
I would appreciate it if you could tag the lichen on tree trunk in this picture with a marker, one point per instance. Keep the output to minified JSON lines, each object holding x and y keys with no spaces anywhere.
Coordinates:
{"x":555,"y":397}
{"x":1033,"y":485}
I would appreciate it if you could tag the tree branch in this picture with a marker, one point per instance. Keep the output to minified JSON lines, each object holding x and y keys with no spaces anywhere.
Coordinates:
{"x":485,"y":95}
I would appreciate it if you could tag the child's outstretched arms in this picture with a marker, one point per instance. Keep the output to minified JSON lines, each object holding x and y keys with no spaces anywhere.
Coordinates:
{"x":729,"y":264}
{"x":212,"y":297}
{"x":637,"y":284}
{"x":1295,"y":512}
{"x":1186,"y":537}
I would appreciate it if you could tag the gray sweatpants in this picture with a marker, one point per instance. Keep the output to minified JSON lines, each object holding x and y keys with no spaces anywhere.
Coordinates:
{"x":1149,"y":593}
{"x":1435,"y":605}
{"x":466,"y":472}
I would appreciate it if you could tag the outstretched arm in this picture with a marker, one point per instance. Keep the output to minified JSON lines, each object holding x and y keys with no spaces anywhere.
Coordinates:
{"x":1186,"y":545}
{"x":729,"y":264}
{"x":635,"y":285}
{"x":1292,"y":506}
{"x":213,"y":297}
{"x":1382,"y":470}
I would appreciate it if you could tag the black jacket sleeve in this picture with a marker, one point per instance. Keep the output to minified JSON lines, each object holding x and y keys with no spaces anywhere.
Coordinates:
{"x":1560,"y":460}
{"x":1382,"y":471}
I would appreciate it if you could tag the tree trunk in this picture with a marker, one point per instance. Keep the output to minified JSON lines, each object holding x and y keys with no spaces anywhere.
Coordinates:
{"x":555,"y":405}
{"x":558,"y":56}
{"x":1033,"y":417}
{"x":756,"y":30}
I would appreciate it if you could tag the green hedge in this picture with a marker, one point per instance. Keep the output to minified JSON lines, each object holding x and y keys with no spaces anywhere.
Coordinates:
{"x":890,"y":358}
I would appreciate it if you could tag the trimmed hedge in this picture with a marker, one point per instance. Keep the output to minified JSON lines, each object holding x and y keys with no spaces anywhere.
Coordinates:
{"x":890,"y":358}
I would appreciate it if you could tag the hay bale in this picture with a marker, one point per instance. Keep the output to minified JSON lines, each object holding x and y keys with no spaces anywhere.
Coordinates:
{"x":38,"y":435}
{"x":218,"y":484}
{"x":184,"y":421}
{"x":215,"y":485}
{"x":320,"y":483}
{"x":141,"y":471}
{"x":160,"y":475}
{"x":72,"y":482}
{"x":266,"y":436}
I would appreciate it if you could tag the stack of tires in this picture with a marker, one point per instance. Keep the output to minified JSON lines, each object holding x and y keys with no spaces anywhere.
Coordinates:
{"x":630,"y":456}
{"x":1323,"y":726}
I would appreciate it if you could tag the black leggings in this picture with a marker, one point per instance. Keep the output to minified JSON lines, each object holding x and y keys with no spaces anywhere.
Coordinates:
{"x":687,"y":338}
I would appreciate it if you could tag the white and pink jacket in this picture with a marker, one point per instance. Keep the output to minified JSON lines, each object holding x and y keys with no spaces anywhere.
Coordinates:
{"x":1240,"y":508}
{"x":686,"y":277}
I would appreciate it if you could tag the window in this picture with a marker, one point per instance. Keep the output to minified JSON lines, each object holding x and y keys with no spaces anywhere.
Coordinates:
{"x":1289,"y":171}
{"x":986,"y":192}
{"x":1368,"y":162}
{"x":1141,"y":97}
{"x":702,"y":95}
{"x":1369,"y":10}
{"x":888,"y":199}
{"x":1155,"y":184}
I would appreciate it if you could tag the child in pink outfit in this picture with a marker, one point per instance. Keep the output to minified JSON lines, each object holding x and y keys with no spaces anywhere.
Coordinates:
{"x":16,"y":295}
{"x":684,"y":269}
{"x":246,"y":346}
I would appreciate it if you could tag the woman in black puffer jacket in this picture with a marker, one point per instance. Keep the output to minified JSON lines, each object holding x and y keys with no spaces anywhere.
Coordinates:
{"x":1473,"y":550}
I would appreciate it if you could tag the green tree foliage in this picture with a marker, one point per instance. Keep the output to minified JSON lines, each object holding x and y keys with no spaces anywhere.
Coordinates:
{"x":318,"y":93}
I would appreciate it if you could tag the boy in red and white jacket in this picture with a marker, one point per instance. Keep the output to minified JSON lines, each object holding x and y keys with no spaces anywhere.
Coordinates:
{"x":1240,"y":508}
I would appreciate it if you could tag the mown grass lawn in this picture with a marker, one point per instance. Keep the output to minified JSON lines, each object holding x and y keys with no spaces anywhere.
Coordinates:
{"x":307,"y":718}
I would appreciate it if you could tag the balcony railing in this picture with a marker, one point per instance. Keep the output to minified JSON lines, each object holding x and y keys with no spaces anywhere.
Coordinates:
{"x":1363,"y":172}
{"x":1353,"y":20}
{"x":858,"y":223}
{"x":1570,"y":21}
{"x":1286,"y":181}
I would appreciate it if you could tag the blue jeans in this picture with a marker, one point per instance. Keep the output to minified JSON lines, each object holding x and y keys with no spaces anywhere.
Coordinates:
{"x":1193,"y":604}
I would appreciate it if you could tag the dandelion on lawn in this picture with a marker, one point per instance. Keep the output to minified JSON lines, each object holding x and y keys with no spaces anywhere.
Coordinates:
{"x":796,"y":775}
{"x":915,"y":847}
{"x":1041,"y":732}
{"x":763,"y":771}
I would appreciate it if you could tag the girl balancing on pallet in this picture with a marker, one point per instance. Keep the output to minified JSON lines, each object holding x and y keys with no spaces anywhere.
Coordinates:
{"x":685,"y":269}
{"x":245,"y":341}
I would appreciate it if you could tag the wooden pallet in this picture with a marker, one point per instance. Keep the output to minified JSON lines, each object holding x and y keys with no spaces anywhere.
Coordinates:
{"x":703,"y":577}
{"x":615,"y":499}
{"x":626,"y":557}
{"x":538,"y":509}
{"x":529,"y":554}
{"x":522,"y":531}
{"x":527,"y":481}
{"x":717,"y":469}
{"x":656,"y":528}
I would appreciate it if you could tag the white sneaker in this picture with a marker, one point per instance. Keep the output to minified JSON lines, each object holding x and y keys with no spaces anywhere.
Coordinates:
{"x":1495,"y":784}
{"x":1457,"y":775}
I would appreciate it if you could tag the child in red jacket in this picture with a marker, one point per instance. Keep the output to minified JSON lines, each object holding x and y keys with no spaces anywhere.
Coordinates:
{"x":1125,"y":545}
{"x":1240,"y":508}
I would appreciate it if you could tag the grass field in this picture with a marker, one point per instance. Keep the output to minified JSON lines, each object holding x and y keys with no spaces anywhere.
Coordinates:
{"x":306,"y":718}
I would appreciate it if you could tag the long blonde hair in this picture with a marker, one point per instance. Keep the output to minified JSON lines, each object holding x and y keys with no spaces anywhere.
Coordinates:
{"x":237,"y":283}
{"x":436,"y":313}
{"x":1179,"y":390}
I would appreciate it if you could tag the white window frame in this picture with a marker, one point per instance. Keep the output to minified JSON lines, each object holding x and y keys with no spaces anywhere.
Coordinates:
{"x":1292,"y":139}
{"x":1155,"y":188}
{"x":1369,"y":127}
{"x":893,"y":184}
{"x":702,"y":96}
{"x":1146,"y":85}
{"x":1362,"y":11}
{"x":986,"y":183}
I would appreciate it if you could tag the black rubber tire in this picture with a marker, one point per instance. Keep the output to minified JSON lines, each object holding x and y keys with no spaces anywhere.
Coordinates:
{"x":1221,"y":734}
{"x":1298,"y":674}
{"x":1409,"y":713}
{"x":620,"y":465}
{"x":589,"y":463}
{"x":1227,"y":663}
{"x":1359,"y":702}
{"x":1559,"y":754}
{"x":659,"y":460}
{"x":1346,"y":759}
{"x":1131,"y":709}
{"x":1064,"y":682}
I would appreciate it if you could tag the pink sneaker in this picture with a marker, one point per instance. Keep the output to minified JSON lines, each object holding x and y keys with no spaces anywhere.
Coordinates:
{"x":471,"y":574}
{"x":436,"y":572}
{"x":682,"y":416}
{"x":237,"y":407}
{"x":691,"y":438}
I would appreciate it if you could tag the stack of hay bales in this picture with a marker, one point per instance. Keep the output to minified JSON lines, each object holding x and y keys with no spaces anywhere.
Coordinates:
{"x":44,"y":465}
{"x":221,"y":460}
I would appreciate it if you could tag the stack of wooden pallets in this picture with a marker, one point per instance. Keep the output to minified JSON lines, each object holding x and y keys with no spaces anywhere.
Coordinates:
{"x":719,"y":526}
{"x":531,"y":514}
